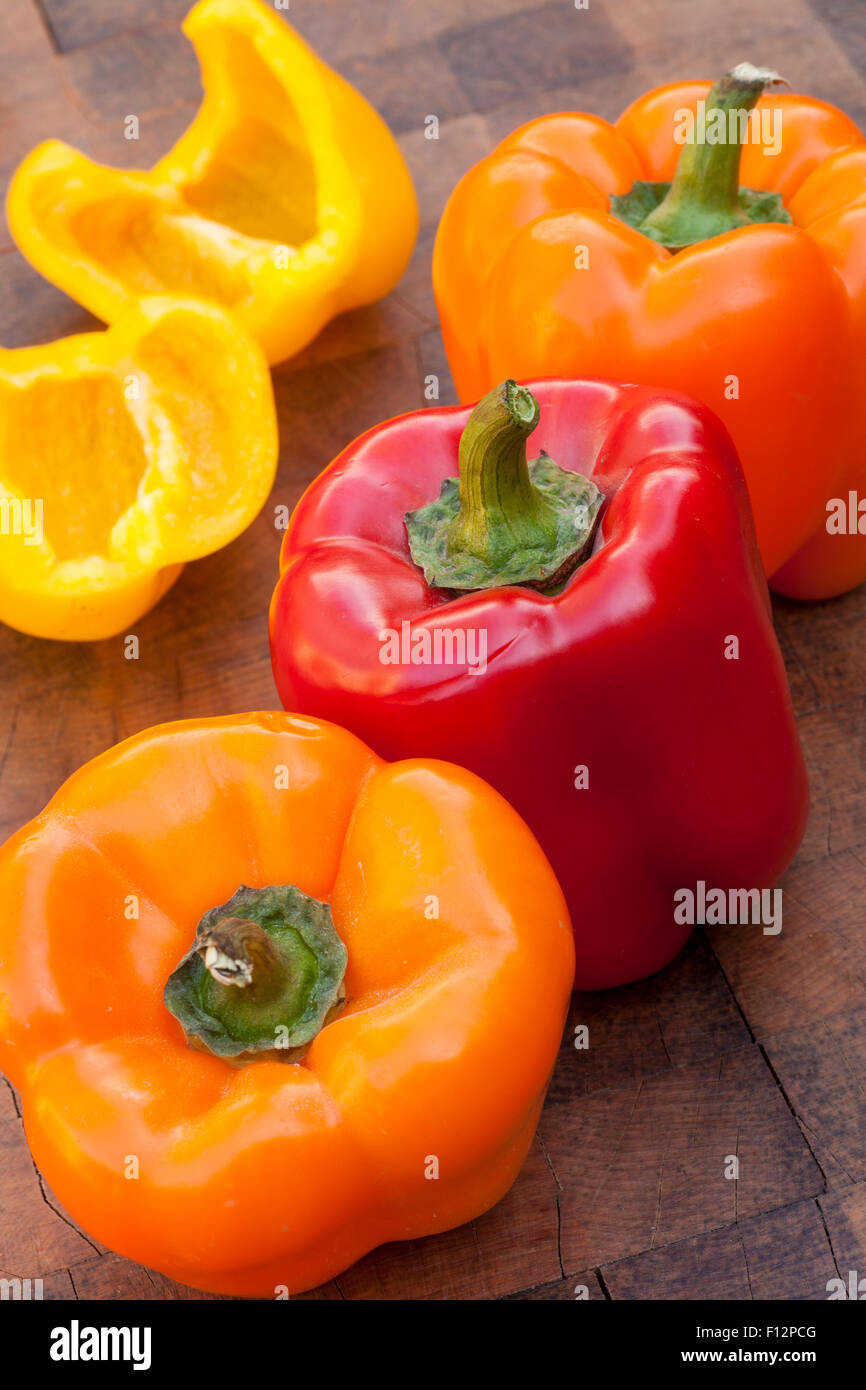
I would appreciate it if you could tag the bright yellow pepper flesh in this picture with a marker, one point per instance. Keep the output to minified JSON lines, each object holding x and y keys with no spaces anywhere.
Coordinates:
{"x":286,"y":201}
{"x":123,"y":454}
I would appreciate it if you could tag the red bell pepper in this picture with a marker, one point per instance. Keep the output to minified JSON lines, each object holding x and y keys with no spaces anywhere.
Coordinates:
{"x":627,"y":695}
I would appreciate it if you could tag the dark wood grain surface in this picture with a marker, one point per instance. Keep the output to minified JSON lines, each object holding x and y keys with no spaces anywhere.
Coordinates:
{"x":746,"y":1047}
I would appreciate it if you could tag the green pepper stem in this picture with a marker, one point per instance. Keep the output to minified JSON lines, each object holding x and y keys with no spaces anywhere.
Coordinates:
{"x":704,"y":198}
{"x":500,"y":510}
{"x":239,"y":952}
{"x":262,"y":978}
{"x":506,"y":521}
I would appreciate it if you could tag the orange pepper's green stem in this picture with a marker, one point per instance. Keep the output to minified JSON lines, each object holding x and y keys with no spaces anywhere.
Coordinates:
{"x":239,"y":952}
{"x":705,"y":198}
{"x":260,"y":985}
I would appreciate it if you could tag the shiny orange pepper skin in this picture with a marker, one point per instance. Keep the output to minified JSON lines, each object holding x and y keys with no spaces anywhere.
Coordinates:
{"x":781,"y":308}
{"x":277,"y":1176}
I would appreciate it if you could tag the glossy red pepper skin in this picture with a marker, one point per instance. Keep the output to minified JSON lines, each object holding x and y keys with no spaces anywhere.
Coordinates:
{"x":693,"y":761}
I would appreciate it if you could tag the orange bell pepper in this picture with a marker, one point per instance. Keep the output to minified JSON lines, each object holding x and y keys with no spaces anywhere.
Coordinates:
{"x":410,"y":1111}
{"x":287,"y":200}
{"x":553,"y":257}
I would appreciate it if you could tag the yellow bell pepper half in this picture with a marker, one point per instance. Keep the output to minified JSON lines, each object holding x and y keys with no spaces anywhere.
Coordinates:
{"x":286,"y":201}
{"x":123,"y":454}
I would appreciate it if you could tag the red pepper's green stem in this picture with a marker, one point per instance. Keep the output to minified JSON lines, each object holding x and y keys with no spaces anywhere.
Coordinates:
{"x":508,"y":521}
{"x":500,"y":510}
{"x":262,"y":984}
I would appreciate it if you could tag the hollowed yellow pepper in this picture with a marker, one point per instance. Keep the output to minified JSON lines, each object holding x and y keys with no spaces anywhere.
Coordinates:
{"x":123,"y":454}
{"x":286,"y":201}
